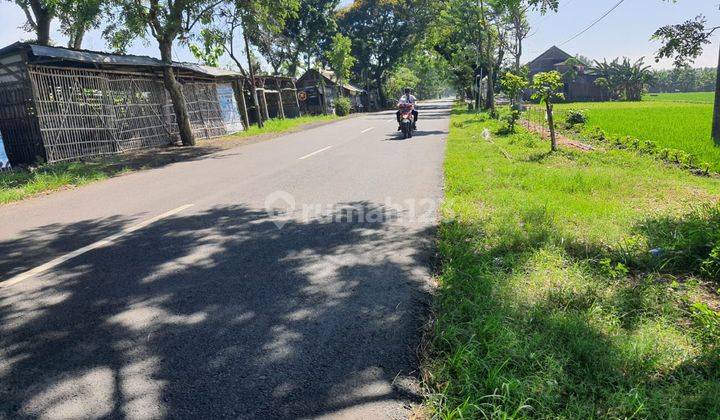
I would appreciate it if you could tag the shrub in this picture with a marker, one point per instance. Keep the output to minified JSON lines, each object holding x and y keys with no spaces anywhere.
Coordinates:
{"x":686,"y":244}
{"x":711,"y":266}
{"x":575,"y":116}
{"x":648,"y":147}
{"x":511,"y":119}
{"x":342,"y":107}
{"x":706,"y":321}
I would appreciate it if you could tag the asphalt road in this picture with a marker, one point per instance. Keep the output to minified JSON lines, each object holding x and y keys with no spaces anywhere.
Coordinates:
{"x":283,"y":279}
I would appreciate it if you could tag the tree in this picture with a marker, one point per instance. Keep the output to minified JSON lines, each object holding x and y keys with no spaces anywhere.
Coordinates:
{"x":572,"y":68}
{"x":382,"y":32}
{"x":684,"y":79}
{"x":456,"y":37}
{"x":167,"y":21}
{"x":515,"y":17}
{"x":685,"y":42}
{"x":625,"y":78}
{"x":340,"y":58}
{"x":273,"y":46}
{"x":513,"y":85}
{"x":546,"y":86}
{"x":38,"y":14}
{"x":432,"y":71}
{"x":253,"y":19}
{"x":309,"y":33}
{"x":77,"y":17}
{"x":400,"y":78}
{"x":474,"y":35}
{"x":604,"y":86}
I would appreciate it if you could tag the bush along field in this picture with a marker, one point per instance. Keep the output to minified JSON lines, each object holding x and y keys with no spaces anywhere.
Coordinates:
{"x":573,"y":284}
{"x":680,"y":127}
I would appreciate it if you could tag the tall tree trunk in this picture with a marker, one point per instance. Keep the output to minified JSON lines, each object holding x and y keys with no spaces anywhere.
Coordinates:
{"x":253,"y":88}
{"x":43,"y":18}
{"x":76,"y":39}
{"x":294,"y":64}
{"x":381,"y":92}
{"x":490,"y":98}
{"x":477,"y":87}
{"x":551,"y":125}
{"x":716,"y":108}
{"x":176,"y":96}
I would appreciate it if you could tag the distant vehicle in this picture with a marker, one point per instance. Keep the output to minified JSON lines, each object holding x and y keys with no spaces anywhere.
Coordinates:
{"x":407,"y":120}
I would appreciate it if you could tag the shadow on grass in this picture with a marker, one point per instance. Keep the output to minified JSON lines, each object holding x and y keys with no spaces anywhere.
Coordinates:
{"x":682,"y":244}
{"x":529,"y":326}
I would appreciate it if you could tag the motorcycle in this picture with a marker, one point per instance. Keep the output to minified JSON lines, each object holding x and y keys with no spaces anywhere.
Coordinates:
{"x":407,"y":120}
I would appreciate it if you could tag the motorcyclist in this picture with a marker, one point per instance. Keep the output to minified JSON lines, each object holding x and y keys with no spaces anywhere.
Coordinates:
{"x":405,"y":99}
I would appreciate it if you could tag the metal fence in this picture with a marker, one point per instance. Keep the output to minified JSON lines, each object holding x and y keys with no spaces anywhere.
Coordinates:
{"x":534,"y":118}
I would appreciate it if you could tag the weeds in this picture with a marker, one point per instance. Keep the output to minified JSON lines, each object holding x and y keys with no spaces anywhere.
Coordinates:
{"x":557,"y":297}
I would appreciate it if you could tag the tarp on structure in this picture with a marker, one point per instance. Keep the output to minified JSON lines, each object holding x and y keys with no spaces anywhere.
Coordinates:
{"x":229,"y":108}
{"x":4,"y":162}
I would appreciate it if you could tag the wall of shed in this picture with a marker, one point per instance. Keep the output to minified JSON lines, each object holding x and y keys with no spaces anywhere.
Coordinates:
{"x":84,"y":113}
{"x":18,"y":123}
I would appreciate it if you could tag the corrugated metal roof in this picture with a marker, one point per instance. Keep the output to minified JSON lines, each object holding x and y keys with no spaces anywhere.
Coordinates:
{"x":103,"y":58}
{"x":330,"y":75}
{"x":210,"y":71}
{"x":42,"y":51}
{"x":352,"y":88}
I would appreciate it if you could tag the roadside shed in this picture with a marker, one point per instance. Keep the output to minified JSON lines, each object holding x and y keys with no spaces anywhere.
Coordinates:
{"x":61,"y":104}
{"x":320,"y":89}
{"x":580,"y":87}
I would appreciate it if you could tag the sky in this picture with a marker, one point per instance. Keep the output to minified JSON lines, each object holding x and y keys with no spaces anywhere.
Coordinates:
{"x":625,"y":32}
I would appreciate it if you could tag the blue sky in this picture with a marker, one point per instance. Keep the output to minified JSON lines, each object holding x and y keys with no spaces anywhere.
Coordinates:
{"x":625,"y":32}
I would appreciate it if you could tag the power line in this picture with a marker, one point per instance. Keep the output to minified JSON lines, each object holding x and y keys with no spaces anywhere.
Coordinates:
{"x":594,"y":23}
{"x":562,"y":6}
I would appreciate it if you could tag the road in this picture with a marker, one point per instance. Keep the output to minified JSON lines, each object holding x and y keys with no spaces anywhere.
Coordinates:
{"x":288,"y":278}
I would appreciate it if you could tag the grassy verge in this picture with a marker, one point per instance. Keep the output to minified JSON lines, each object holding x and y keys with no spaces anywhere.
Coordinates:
{"x":574,"y":284}
{"x":20,"y":184}
{"x":278,"y":126}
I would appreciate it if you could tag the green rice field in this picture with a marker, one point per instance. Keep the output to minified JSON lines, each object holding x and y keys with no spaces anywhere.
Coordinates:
{"x":669,"y":120}
{"x":698,"y":97}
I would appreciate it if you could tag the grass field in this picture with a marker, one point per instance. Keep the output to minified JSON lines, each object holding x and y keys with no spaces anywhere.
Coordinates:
{"x":678,"y":125}
{"x":20,"y":184}
{"x":551,"y":303}
{"x":696,"y":97}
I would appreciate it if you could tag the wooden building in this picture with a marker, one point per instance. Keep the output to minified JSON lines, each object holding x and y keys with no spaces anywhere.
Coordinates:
{"x":580,"y":88}
{"x":319,"y":87}
{"x":60,"y":104}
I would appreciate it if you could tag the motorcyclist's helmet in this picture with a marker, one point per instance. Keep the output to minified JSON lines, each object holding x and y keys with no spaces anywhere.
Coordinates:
{"x":407,"y":90}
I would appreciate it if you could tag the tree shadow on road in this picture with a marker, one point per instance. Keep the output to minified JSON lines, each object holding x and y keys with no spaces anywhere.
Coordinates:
{"x":221,"y":314}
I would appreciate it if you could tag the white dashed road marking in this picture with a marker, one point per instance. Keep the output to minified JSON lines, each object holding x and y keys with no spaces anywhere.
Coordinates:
{"x":101,"y":243}
{"x":315,"y":153}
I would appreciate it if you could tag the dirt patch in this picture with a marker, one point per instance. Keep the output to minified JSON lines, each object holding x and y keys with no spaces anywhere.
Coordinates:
{"x":561,"y":139}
